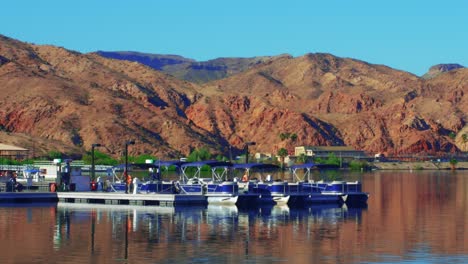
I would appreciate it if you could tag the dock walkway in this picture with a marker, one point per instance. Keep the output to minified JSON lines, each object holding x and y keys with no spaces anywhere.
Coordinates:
{"x":103,"y":198}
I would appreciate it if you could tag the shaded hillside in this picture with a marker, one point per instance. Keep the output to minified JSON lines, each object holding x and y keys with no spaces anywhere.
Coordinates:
{"x":155,"y":61}
{"x":68,"y":101}
{"x":189,"y":69}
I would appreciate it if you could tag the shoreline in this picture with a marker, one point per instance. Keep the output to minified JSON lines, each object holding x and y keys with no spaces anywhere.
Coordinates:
{"x":419,"y":165}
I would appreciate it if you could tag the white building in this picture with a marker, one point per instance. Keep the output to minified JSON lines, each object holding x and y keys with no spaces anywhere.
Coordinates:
{"x":344,"y":152}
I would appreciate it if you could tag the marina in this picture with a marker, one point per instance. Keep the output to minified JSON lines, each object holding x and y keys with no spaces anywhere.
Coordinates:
{"x":255,"y":188}
{"x":162,"y":199}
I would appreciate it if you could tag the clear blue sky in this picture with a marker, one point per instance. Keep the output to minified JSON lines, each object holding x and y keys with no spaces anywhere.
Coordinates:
{"x":410,"y":35}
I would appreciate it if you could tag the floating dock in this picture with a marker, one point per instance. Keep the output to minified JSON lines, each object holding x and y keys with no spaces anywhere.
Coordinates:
{"x":112,"y":198}
{"x":103,"y":198}
{"x":131,"y":199}
{"x":141,"y":199}
{"x":28,"y":197}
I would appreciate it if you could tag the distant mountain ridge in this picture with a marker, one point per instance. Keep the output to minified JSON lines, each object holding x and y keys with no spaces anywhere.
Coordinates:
{"x":441,"y":68}
{"x":190,"y":69}
{"x":155,"y":61}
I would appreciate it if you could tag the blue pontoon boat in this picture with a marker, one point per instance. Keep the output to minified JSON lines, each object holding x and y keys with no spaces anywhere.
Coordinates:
{"x":306,"y":191}
{"x":322,"y":192}
{"x":218,"y":189}
{"x":257,"y":190}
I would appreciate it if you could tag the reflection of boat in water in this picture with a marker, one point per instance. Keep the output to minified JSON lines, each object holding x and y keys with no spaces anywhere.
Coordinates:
{"x":126,"y":208}
{"x":113,"y":208}
{"x":168,"y":223}
{"x":326,"y":214}
{"x":29,"y":205}
{"x":82,"y":211}
{"x":280,"y":210}
{"x":222,"y":210}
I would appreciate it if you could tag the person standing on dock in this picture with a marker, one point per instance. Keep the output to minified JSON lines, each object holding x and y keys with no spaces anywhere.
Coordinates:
{"x":66,"y":176}
{"x":128,"y":182}
{"x":11,"y":185}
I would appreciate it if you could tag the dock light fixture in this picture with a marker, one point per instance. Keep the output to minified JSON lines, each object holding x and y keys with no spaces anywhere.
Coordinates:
{"x":130,"y":142}
{"x":246,"y":146}
{"x":93,"y":171}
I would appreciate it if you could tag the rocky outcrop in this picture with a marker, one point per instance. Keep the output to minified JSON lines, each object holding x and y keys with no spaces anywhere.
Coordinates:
{"x":339,"y":102}
{"x":441,"y":68}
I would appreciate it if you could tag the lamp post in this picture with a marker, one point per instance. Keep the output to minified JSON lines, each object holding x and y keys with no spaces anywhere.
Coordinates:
{"x":130,"y":142}
{"x":247,"y":144}
{"x":93,"y":173}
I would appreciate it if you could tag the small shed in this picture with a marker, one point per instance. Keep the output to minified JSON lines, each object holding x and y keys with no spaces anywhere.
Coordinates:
{"x":13,"y":152}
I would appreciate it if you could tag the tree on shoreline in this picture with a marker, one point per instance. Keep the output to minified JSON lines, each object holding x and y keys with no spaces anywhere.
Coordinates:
{"x":453,"y":163}
{"x":282,"y":152}
{"x":464,"y":139}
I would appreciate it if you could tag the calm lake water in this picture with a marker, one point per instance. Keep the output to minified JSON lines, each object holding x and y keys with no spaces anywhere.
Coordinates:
{"x":418,"y":217}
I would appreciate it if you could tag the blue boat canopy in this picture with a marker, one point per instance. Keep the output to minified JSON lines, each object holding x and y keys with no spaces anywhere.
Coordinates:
{"x":32,"y":171}
{"x":135,"y":166}
{"x":303,"y":166}
{"x":263,"y":166}
{"x":211,"y":163}
{"x":168,"y":163}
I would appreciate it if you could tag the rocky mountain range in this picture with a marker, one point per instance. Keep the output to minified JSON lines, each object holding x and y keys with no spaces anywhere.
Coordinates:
{"x":189,"y":69}
{"x":58,"y":99}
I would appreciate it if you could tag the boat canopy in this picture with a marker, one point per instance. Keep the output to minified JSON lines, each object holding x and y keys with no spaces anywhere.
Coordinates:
{"x":303,"y":166}
{"x":131,"y":166}
{"x":168,"y":163}
{"x":256,"y":167}
{"x":32,"y":171}
{"x":306,"y":166}
{"x":262,"y":166}
{"x":213,"y":164}
{"x":140,"y":166}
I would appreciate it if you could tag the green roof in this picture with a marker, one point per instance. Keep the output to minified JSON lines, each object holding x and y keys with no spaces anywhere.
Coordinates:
{"x":331,"y":148}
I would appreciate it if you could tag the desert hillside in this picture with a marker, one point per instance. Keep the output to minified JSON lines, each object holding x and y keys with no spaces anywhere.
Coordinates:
{"x":328,"y":100}
{"x":60,"y":95}
{"x":63,"y":100}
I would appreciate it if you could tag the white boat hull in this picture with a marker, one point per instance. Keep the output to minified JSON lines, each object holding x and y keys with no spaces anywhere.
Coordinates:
{"x":281,"y":200}
{"x":220,"y":199}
